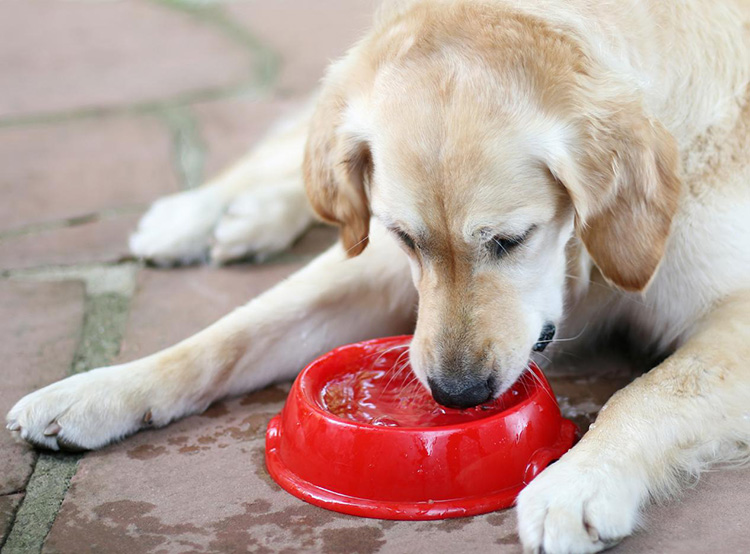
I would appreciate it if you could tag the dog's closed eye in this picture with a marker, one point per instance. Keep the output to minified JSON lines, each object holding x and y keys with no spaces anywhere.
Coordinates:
{"x":501,"y":246}
{"x":405,"y":239}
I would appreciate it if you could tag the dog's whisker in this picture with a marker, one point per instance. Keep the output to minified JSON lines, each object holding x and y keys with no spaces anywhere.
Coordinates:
{"x":546,"y":358}
{"x":409,"y":381}
{"x":390,"y":349}
{"x":400,"y":356}
{"x":399,"y":370}
{"x":399,"y":364}
{"x":413,"y":387}
{"x":556,"y":340}
{"x":357,"y":244}
{"x":407,"y":384}
{"x":539,"y":381}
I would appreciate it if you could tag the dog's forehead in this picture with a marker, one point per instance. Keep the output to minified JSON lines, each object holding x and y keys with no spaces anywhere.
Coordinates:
{"x":450,"y":156}
{"x":461,"y":186}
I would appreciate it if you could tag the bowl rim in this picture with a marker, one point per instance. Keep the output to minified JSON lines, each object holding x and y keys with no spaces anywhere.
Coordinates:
{"x":309,"y":398}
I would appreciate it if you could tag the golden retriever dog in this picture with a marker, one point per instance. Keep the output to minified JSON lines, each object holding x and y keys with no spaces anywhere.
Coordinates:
{"x":512,"y":168}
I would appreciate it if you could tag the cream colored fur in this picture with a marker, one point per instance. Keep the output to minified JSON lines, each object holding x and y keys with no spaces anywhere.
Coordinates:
{"x":639,"y":121}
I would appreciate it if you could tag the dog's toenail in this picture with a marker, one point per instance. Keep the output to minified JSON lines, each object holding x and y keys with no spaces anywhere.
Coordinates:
{"x":148,"y":419}
{"x":52,"y":429}
{"x":13,"y":426}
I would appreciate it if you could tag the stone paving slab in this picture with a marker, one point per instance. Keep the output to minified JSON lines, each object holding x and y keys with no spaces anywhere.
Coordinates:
{"x":8,"y":505}
{"x":201,"y":485}
{"x":66,"y":170}
{"x":105,"y":240}
{"x":62,"y":56}
{"x":712,"y":517}
{"x":168,"y":306}
{"x":315,"y":241}
{"x":229,"y":128}
{"x":39,"y":330}
{"x":171,"y":305}
{"x":306,"y":35}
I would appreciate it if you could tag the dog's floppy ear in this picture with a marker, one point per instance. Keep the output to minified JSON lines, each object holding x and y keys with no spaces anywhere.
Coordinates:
{"x":621,"y":171}
{"x":337,"y":168}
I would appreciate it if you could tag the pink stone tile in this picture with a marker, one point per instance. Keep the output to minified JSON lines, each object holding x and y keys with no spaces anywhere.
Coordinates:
{"x":230,"y":128}
{"x":712,"y":517}
{"x":197,"y":486}
{"x":105,"y":240}
{"x":307,"y":35}
{"x":8,"y":506}
{"x":315,"y":241}
{"x":170,"y":305}
{"x":58,"y":56}
{"x":201,"y":485}
{"x":54,"y":172}
{"x":39,"y":330}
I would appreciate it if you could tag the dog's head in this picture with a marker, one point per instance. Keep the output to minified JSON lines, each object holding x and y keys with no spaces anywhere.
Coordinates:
{"x":491,"y":147}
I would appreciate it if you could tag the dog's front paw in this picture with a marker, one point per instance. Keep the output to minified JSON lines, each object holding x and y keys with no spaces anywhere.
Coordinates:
{"x":578,"y":506}
{"x":177,"y":229}
{"x":82,"y":412}
{"x":259,"y":223}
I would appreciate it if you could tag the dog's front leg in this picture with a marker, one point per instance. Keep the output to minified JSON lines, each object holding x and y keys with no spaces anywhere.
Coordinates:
{"x":258,"y":206}
{"x":332,"y":301}
{"x":691,"y":410}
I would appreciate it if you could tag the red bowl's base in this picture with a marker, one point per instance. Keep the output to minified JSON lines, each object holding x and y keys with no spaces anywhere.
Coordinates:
{"x":426,"y":510}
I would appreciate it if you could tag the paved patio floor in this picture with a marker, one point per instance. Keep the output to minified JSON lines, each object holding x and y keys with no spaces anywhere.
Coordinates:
{"x":104,"y":106}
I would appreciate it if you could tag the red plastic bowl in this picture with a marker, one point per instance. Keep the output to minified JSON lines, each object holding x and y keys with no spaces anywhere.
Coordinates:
{"x":420,"y":472}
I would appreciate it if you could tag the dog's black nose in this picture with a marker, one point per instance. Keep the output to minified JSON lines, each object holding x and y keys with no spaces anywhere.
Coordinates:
{"x":546,"y":336}
{"x":461,"y":392}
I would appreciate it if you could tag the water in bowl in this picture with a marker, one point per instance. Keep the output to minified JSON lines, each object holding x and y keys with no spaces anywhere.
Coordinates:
{"x":387,"y":394}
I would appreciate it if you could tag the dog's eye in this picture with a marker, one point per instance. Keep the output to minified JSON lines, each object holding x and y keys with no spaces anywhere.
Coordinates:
{"x":501,"y":246}
{"x":406,"y":239}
